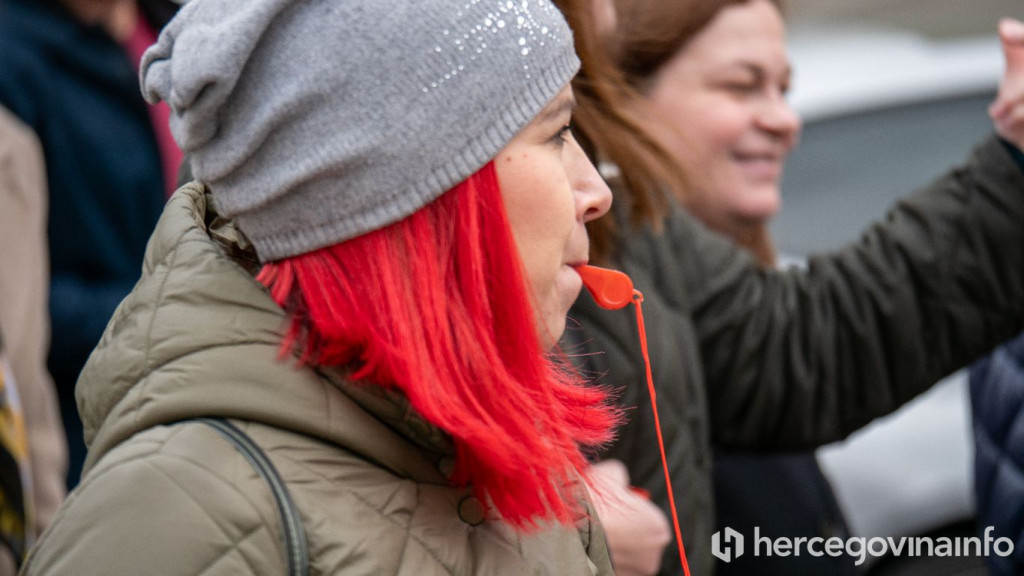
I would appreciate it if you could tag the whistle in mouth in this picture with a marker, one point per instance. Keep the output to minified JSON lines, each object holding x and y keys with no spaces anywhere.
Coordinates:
{"x":611,"y":289}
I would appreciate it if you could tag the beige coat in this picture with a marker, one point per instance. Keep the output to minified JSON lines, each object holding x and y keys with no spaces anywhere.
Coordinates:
{"x":199,"y":336}
{"x":24,"y":317}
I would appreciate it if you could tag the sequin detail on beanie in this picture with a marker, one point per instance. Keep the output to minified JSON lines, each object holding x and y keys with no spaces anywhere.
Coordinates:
{"x":471,"y":39}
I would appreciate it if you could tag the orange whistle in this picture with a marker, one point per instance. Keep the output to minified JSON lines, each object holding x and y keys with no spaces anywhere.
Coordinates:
{"x":611,"y":289}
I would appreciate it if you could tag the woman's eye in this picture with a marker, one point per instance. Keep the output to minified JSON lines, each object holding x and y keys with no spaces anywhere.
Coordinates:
{"x":564,"y":134}
{"x":741,"y":87}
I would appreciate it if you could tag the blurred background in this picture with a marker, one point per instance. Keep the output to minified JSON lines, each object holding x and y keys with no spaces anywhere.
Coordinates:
{"x":935,"y":18}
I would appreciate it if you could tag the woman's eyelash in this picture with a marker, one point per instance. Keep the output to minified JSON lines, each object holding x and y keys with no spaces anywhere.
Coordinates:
{"x":565,"y":132}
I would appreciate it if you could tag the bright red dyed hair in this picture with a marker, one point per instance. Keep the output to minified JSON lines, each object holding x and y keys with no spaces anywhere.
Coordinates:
{"x":437,"y":306}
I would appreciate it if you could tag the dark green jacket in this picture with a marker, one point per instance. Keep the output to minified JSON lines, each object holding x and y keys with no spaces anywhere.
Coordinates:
{"x":749,"y":358}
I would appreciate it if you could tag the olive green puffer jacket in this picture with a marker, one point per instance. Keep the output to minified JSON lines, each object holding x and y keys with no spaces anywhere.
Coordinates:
{"x":199,"y":336}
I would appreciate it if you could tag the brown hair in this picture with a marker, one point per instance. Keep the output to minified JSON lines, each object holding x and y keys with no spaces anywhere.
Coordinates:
{"x":608,"y":122}
{"x":611,"y":116}
{"x":649,"y":33}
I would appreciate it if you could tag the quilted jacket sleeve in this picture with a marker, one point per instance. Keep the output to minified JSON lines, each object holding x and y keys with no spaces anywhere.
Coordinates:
{"x":802,"y":358}
{"x":24,"y":320}
{"x":151,"y":508}
{"x":997,"y":403}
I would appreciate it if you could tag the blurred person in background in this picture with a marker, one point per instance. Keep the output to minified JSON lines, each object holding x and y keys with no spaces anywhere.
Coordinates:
{"x":716,"y":90}
{"x":68,"y":69}
{"x":33,"y":455}
{"x":747,"y":357}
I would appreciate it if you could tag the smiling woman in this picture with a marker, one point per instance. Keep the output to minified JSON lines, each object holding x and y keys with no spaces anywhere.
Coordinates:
{"x":746,"y":357}
{"x":717,"y":91}
{"x":722,"y":102}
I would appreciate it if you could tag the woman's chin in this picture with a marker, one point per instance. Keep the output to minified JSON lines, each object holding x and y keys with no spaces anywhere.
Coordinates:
{"x":758,"y":204}
{"x":556,"y":307}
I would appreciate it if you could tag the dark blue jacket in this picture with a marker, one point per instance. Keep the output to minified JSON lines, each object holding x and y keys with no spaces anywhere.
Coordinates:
{"x":997,"y":400}
{"x":74,"y":85}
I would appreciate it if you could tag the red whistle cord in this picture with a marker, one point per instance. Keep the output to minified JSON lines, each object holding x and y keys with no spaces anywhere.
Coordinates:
{"x":638,"y":298}
{"x":613,"y":290}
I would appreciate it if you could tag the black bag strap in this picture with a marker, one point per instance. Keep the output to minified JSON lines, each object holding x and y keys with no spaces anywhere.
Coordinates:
{"x":294,"y":534}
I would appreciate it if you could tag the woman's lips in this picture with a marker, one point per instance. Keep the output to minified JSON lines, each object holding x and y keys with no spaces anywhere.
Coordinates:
{"x":760,"y":166}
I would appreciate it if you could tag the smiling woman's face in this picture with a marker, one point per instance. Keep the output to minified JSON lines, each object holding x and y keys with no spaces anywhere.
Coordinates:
{"x":551,"y":190}
{"x":721,"y":102}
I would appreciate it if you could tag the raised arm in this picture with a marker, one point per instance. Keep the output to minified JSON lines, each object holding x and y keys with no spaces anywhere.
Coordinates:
{"x":801,"y":358}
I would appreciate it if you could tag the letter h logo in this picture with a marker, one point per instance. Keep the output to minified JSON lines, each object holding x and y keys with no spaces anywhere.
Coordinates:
{"x":723,"y":550}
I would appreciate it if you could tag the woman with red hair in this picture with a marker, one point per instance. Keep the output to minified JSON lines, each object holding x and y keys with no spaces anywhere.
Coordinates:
{"x":366,"y":283}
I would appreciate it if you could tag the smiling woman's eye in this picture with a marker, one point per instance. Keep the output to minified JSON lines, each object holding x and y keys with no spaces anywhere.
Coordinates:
{"x":741,"y":86}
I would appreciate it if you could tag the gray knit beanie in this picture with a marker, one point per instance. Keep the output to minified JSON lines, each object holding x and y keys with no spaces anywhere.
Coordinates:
{"x":315,"y":121}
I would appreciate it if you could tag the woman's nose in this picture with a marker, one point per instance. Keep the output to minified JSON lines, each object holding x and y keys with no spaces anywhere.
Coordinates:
{"x":593,"y":197}
{"x":778,"y":116}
